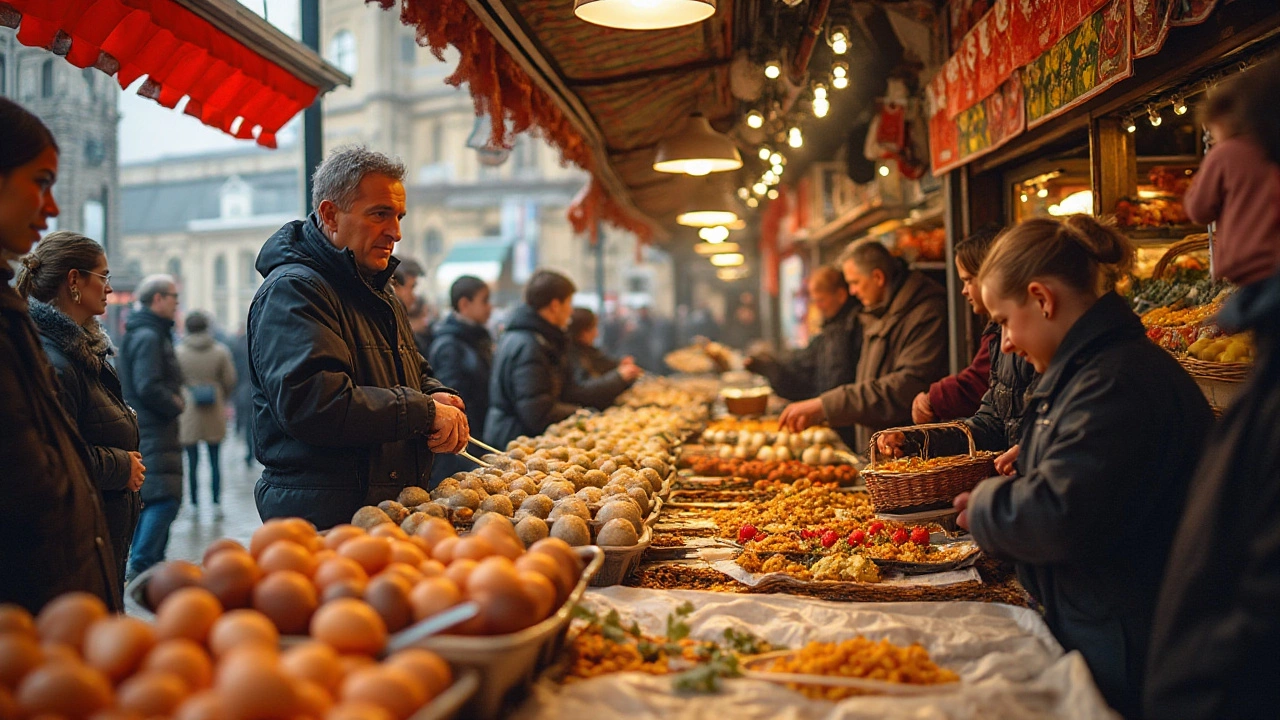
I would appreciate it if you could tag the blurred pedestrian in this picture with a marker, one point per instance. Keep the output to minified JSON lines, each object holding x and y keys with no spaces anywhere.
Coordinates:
{"x":596,"y":379}
{"x":405,"y":281}
{"x":210,"y":377}
{"x":152,"y":384}
{"x":462,"y":356}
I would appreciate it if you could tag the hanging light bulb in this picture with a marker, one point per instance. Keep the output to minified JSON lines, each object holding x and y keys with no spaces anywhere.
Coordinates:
{"x":709,"y":204}
{"x":820,"y":107}
{"x":777,"y":170}
{"x":696,"y":149}
{"x":819,"y":91}
{"x":777,"y":159}
{"x":883,"y":170}
{"x":764,"y":153}
{"x":753,"y":203}
{"x":644,"y":14}
{"x":794,"y":138}
{"x":728,"y":259}
{"x":1130,"y":125}
{"x":839,"y":40}
{"x":759,"y":188}
{"x":1043,"y":192}
{"x":755,"y":120}
{"x":744,"y":193}
{"x":1179,"y":106}
{"x":1023,"y":197}
{"x":773,"y":69}
{"x":1153,"y":116}
{"x":840,"y":83}
{"x":773,"y":194}
{"x":717,"y":234}
{"x":840,"y":70}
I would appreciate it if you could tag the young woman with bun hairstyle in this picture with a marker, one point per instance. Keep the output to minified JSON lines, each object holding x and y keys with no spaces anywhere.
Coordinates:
{"x":52,"y":528}
{"x":1111,"y":434}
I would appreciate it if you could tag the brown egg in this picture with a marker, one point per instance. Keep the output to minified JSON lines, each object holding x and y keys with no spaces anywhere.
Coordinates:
{"x":240,"y":628}
{"x":9,"y":709}
{"x":72,"y":690}
{"x":315,"y":662}
{"x":510,"y":548}
{"x":218,"y":546}
{"x":406,"y":572}
{"x":19,"y":655}
{"x":343,"y":589}
{"x":541,"y":591}
{"x":278,"y":529}
{"x":313,"y":700}
{"x":403,"y":551}
{"x":254,"y":687}
{"x":337,"y":569}
{"x":117,"y":645}
{"x":431,"y":568}
{"x":546,"y":565}
{"x":421,"y":544}
{"x":57,"y":652}
{"x":287,"y":555}
{"x":562,"y":552}
{"x":443,"y":550}
{"x":113,"y":713}
{"x":493,"y":574}
{"x":350,"y":627}
{"x":16,"y":619}
{"x":503,"y":612}
{"x":188,"y":613}
{"x":152,"y":694}
{"x":324,"y":554}
{"x":288,"y":598}
{"x":433,"y":595}
{"x":230,"y":576}
{"x":66,"y":618}
{"x":391,"y":531}
{"x":391,"y":687}
{"x":473,"y":547}
{"x":389,"y":595}
{"x":430,"y":669}
{"x":316,"y":543}
{"x":168,"y":577}
{"x":352,"y":663}
{"x":340,"y":534}
{"x":303,"y":527}
{"x":358,"y":711}
{"x":372,"y":553}
{"x":205,"y":705}
{"x":435,"y":529}
{"x":459,"y":571}
{"x":184,"y":658}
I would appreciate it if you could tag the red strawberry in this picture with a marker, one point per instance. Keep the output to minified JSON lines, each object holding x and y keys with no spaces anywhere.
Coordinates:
{"x":919,"y":535}
{"x":857,"y":537}
{"x":808,"y":534}
{"x":829,"y":538}
{"x":899,"y":536}
{"x":746,"y":533}
{"x":875,"y":527}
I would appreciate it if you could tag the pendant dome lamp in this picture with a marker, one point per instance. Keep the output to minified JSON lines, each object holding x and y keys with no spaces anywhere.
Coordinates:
{"x":696,"y":149}
{"x":644,"y":14}
{"x":709,"y":205}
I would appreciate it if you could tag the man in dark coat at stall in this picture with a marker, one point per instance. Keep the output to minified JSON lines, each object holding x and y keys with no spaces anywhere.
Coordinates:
{"x":346,"y":410}
{"x":152,"y":384}
{"x":831,"y":357}
{"x":462,"y":357}
{"x":527,"y":390}
{"x":595,"y":379}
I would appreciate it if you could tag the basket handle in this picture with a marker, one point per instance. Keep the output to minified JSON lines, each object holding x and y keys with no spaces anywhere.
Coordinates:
{"x":952,"y":425}
{"x":1190,"y":243}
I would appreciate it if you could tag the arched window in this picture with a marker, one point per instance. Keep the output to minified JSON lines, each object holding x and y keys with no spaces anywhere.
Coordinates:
{"x":342,"y":51}
{"x":46,"y":79}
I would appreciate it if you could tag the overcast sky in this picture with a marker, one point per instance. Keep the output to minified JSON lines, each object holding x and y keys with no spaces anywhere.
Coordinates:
{"x":148,"y":131}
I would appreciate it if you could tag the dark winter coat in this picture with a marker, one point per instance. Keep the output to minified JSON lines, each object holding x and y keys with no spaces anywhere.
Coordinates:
{"x":1110,"y":439}
{"x":828,"y":361}
{"x":526,"y":390}
{"x":90,"y":393}
{"x":904,"y":348}
{"x":1217,"y":625}
{"x":152,"y":384}
{"x":462,"y":357}
{"x":997,"y":426}
{"x":341,"y":396}
{"x":53,"y":532}
{"x":960,"y":395}
{"x":593,"y":379}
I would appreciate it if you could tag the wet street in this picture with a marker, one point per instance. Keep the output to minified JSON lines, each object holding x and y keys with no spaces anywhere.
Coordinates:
{"x":195,"y":528}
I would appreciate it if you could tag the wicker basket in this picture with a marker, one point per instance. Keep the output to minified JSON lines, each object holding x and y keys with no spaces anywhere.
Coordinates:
{"x":1188,"y":244}
{"x":892,"y":491}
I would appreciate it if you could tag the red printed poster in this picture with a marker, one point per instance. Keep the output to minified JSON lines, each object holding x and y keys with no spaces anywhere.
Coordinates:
{"x":1151,"y":21}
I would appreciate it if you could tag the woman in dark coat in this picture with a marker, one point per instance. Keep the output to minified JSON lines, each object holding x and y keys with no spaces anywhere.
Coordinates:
{"x":66,"y":282}
{"x":1111,"y":435}
{"x":52,"y":529}
{"x":595,"y":379}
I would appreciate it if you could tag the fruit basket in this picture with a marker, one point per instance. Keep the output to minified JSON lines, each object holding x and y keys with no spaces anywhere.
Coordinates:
{"x":619,"y":562}
{"x":923,"y":482}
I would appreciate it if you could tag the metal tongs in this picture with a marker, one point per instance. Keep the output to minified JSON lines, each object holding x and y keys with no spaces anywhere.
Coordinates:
{"x":482,"y":445}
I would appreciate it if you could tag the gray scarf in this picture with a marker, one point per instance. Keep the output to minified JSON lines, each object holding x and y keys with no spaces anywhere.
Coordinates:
{"x":87,"y":345}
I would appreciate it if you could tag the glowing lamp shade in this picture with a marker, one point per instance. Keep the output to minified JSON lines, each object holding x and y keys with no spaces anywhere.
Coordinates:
{"x":728,"y":259}
{"x":708,"y":206}
{"x":716,"y":234}
{"x":697,"y":149}
{"x":707,"y":248}
{"x":644,"y":14}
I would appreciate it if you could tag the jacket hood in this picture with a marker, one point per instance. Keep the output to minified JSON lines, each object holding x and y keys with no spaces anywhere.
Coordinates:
{"x":87,"y":345}
{"x":144,"y":318}
{"x":455,"y":327}
{"x":526,"y":318}
{"x":1109,"y":319}
{"x":302,"y":242}
{"x":1254,"y":307}
{"x":199,"y":340}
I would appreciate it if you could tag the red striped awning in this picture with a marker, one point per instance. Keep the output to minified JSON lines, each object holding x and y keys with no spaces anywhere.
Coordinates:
{"x":229,"y":85}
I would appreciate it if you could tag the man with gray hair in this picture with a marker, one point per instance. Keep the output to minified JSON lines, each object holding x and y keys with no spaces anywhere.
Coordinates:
{"x":151,"y":382}
{"x":346,"y":410}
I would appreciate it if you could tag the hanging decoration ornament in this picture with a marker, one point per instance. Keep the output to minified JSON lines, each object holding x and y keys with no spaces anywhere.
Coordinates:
{"x":889,"y":137}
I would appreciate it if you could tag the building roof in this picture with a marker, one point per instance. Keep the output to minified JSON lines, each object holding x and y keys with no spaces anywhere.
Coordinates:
{"x":171,"y":206}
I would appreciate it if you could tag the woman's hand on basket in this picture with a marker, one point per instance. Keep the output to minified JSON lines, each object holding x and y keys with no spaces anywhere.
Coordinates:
{"x":890,"y":444}
{"x":961,"y":503}
{"x":1005,"y":463}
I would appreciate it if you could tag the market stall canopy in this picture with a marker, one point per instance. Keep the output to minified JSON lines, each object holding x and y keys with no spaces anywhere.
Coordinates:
{"x":238,"y":73}
{"x":481,"y":258}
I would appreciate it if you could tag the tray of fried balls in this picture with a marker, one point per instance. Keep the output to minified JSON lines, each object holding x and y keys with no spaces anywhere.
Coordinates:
{"x":356,"y":590}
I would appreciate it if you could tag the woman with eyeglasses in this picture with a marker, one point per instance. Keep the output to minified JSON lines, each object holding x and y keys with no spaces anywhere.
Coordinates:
{"x":52,"y":529}
{"x":66,"y":283}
